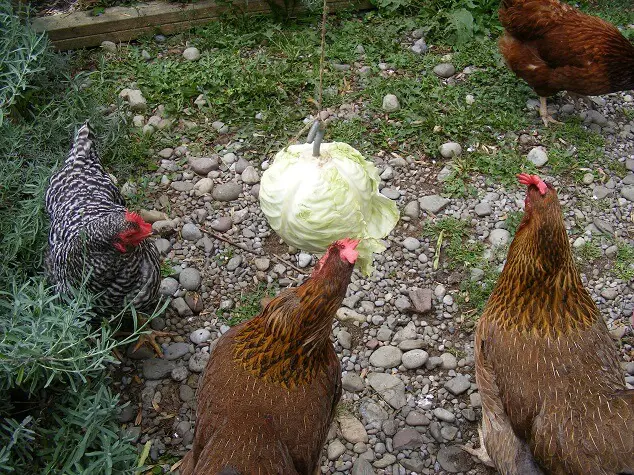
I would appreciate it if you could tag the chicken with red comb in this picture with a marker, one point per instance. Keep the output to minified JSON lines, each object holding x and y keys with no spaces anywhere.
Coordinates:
{"x":554,"y":398}
{"x":272,"y":383}
{"x":94,"y":240}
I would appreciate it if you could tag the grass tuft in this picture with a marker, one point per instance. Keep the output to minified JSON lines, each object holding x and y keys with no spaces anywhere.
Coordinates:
{"x":461,"y":251}
{"x":249,"y":305}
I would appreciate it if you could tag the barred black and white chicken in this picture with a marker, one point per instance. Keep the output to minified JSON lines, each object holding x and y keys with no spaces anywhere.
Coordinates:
{"x":95,"y":240}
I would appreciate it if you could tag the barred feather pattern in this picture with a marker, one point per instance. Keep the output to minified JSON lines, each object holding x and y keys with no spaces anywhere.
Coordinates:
{"x":87,"y":212}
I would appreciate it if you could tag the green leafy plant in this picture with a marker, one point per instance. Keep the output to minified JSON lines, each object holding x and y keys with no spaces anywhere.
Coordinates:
{"x":393,"y":6}
{"x":58,"y":415}
{"x":513,"y":220}
{"x":624,"y":265}
{"x":167,"y":268}
{"x":459,"y":249}
{"x":249,"y":305}
{"x":22,"y":53}
{"x":457,"y":22}
{"x":475,"y":293}
{"x":588,"y":252}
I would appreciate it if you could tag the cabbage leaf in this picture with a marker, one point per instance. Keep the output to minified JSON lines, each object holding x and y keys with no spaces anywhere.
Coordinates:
{"x":313,"y":201}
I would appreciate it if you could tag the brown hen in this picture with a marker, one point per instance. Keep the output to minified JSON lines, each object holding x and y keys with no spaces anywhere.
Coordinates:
{"x":555,"y":47}
{"x":553,"y":394}
{"x":272,"y":383}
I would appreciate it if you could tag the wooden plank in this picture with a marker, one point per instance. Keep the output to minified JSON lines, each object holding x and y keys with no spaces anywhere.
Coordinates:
{"x":80,"y":29}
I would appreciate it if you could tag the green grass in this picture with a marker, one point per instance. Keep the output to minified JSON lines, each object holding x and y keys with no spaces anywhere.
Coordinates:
{"x":253,"y":66}
{"x":589,"y":252}
{"x":248,"y":305}
{"x":474,"y":294}
{"x":460,"y":251}
{"x":624,"y":265}
{"x":167,"y":268}
{"x":513,"y":220}
{"x":249,"y":66}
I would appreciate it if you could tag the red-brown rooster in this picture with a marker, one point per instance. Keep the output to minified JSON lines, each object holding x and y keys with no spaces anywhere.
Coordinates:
{"x":555,"y":47}
{"x":94,"y":240}
{"x":554,"y":398}
{"x":272,"y":384}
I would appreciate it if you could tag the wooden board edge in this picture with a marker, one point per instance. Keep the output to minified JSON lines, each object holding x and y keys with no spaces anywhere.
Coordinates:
{"x":81,"y":25}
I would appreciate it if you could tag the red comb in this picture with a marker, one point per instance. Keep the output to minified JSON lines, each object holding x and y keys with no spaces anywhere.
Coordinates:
{"x":348,"y":252}
{"x":526,"y":179}
{"x":135,"y":218}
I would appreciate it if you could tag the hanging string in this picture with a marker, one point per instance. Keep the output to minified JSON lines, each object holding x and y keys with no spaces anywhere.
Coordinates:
{"x":317,"y":128}
{"x":322,"y":57}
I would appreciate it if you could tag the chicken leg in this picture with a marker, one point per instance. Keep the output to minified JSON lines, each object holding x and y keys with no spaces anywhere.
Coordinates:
{"x":481,"y":453}
{"x":578,"y":98}
{"x":149,"y":339}
{"x":543,"y":112}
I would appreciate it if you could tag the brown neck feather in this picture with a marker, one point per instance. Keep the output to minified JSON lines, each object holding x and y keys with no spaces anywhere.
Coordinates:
{"x":540,"y":289}
{"x":289,"y":341}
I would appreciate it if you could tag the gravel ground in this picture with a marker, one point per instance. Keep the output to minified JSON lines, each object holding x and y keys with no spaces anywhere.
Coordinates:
{"x":405,"y":344}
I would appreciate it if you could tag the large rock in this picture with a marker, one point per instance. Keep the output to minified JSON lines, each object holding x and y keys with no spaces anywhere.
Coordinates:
{"x":499,"y":237}
{"x":445,"y":70}
{"x":362,"y":467}
{"x":389,"y":387}
{"x":390,"y":103}
{"x":152,"y":215}
{"x":415,"y":359}
{"x":421,"y":299}
{"x":109,"y":46}
{"x":457,"y":385}
{"x":190,"y":232}
{"x":191,"y":54}
{"x":190,"y":278}
{"x":157,"y":369}
{"x":335,"y":449}
{"x":386,"y":357}
{"x":372,"y":413}
{"x":203,"y":186}
{"x":538,"y":156}
{"x":250,"y":176}
{"x":175,"y":351}
{"x":407,"y":439}
{"x":406,"y":333}
{"x":198,"y":362}
{"x":453,"y":459}
{"x":627,"y":192}
{"x":169,"y":286}
{"x":227,"y":191}
{"x":135,"y":99}
{"x":450,"y":150}
{"x":433,"y":203}
{"x":203,"y":165}
{"x":347,"y":315}
{"x":352,"y":382}
{"x":352,"y":429}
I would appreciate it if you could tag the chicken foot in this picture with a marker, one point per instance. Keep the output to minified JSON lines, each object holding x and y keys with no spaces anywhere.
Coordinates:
{"x":480,"y":453}
{"x":578,"y":98}
{"x":149,"y":339}
{"x":543,"y":112}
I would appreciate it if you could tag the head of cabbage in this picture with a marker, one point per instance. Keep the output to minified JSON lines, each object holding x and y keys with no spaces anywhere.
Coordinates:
{"x":312,"y":201}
